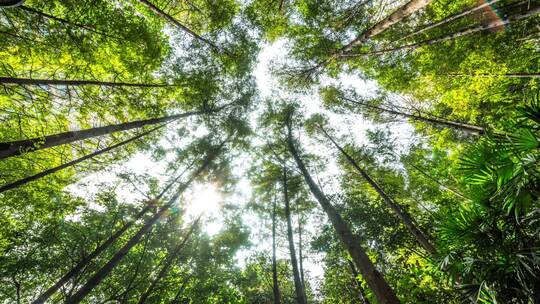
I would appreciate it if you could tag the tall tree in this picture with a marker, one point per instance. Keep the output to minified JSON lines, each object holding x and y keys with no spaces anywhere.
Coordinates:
{"x":83,"y":263}
{"x":122,"y":252}
{"x":420,"y":236}
{"x":373,"y":277}
{"x":167,"y":263}
{"x":71,"y":82}
{"x":8,"y":149}
{"x":298,"y":285}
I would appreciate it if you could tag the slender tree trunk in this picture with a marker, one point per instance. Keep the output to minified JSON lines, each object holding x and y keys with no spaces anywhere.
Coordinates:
{"x":72,"y":163}
{"x":180,"y":290}
{"x":103,"y":246}
{"x":167,"y":264}
{"x":71,"y":82}
{"x":102,"y":273}
{"x":398,"y":15}
{"x":493,"y":24}
{"x":300,"y":253}
{"x":510,"y":75}
{"x":361,"y":292}
{"x":403,"y":215}
{"x":447,"y":188}
{"x":64,"y":21}
{"x":8,"y":149}
{"x":374,"y":279}
{"x":450,"y":19}
{"x":175,"y":22}
{"x":299,"y":288}
{"x":431,"y":120}
{"x":277,"y":297}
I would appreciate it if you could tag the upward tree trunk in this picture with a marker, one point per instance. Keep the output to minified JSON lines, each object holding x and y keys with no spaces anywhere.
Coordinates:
{"x":493,"y":24}
{"x":450,"y":19}
{"x":374,"y":279}
{"x":8,"y":149}
{"x":277,"y":297}
{"x":167,"y":263}
{"x":103,"y":246}
{"x":64,"y":21}
{"x":299,"y":288}
{"x":72,"y":163}
{"x":398,"y":15}
{"x":300,"y":253}
{"x":175,"y":22}
{"x":71,"y":82}
{"x":361,"y":293}
{"x":403,"y":215}
{"x":122,"y":252}
{"x":430,"y":120}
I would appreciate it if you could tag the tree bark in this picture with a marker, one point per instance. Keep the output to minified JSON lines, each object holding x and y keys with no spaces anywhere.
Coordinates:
{"x":167,"y":263}
{"x":434,"y":121}
{"x":420,"y":236}
{"x":8,"y":149}
{"x":103,"y":246}
{"x":72,"y":163}
{"x":298,"y":286}
{"x":64,"y":21}
{"x":471,"y":30}
{"x":383,"y":292}
{"x":398,"y":15}
{"x":102,"y":273}
{"x":450,"y":19}
{"x":175,"y":22}
{"x":71,"y":82}
{"x":277,"y":297}
{"x":361,"y":292}
{"x":300,"y":253}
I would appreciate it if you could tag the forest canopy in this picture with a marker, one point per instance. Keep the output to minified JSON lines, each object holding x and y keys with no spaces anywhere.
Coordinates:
{"x":269,"y":151}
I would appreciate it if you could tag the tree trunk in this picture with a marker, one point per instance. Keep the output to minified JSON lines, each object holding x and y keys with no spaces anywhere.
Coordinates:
{"x":403,"y":215}
{"x":434,"y":121}
{"x":167,"y":264}
{"x":398,"y":15}
{"x":64,"y":21}
{"x":374,"y":279}
{"x":361,"y":292}
{"x":450,"y":19}
{"x":277,"y":297}
{"x":72,"y":163}
{"x":175,"y":22}
{"x":299,"y":288}
{"x":300,"y":253}
{"x":122,"y":252}
{"x":103,"y":246}
{"x":8,"y":149}
{"x":510,"y":75}
{"x":493,"y":24}
{"x":71,"y":82}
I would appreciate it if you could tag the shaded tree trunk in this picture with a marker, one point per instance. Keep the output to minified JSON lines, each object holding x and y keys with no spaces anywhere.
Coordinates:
{"x":175,"y":22}
{"x":374,"y":279}
{"x":398,"y":15}
{"x":298,"y":286}
{"x":103,"y":246}
{"x":430,"y":120}
{"x":104,"y":271}
{"x":167,"y":263}
{"x":71,"y":82}
{"x":300,"y":252}
{"x":403,"y":215}
{"x":471,"y":30}
{"x":72,"y":163}
{"x":64,"y":21}
{"x":277,"y":297}
{"x":450,"y":19}
{"x":8,"y":149}
{"x":361,"y":292}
